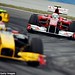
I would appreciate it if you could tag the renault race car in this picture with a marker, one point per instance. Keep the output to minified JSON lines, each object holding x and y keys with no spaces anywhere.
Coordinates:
{"x":17,"y":46}
{"x":4,"y":14}
{"x":51,"y":24}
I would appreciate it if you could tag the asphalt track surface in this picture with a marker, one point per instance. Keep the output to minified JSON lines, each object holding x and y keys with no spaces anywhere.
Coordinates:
{"x":60,"y":52}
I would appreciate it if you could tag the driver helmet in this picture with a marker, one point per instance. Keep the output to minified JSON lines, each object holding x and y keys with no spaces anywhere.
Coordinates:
{"x":55,"y":15}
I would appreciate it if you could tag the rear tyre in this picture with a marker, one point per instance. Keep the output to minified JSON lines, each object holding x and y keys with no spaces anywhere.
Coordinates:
{"x":72,"y":27}
{"x":36,"y":46}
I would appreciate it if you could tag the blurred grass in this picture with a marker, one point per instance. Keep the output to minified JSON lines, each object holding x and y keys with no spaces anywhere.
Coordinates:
{"x":34,"y":10}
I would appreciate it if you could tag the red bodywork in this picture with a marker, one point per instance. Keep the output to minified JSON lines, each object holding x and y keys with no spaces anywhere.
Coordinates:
{"x":45,"y":19}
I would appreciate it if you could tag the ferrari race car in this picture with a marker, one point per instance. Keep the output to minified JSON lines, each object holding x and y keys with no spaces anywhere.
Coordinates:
{"x":17,"y":46}
{"x":51,"y":24}
{"x":4,"y":14}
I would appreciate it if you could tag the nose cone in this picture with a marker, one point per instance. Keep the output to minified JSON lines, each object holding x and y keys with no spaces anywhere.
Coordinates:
{"x":7,"y":40}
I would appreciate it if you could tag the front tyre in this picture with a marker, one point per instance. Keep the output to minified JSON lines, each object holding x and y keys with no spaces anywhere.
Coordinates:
{"x":36,"y":46}
{"x":72,"y":27}
{"x":34,"y":19}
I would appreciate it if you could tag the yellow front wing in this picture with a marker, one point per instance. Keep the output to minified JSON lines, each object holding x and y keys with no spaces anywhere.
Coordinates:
{"x":24,"y":56}
{"x":28,"y":56}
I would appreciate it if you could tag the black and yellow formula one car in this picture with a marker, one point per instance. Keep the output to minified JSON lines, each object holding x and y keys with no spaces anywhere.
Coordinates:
{"x":17,"y":46}
{"x":4,"y":14}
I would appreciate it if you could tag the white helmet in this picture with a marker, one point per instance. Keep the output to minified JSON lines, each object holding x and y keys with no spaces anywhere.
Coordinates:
{"x":55,"y":15}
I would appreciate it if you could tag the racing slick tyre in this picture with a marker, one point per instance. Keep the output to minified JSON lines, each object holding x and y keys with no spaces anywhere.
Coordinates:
{"x":72,"y":27}
{"x":36,"y":46}
{"x":53,"y":29}
{"x":34,"y":19}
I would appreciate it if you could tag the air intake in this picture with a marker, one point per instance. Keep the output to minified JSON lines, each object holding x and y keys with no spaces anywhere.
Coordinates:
{"x":7,"y":52}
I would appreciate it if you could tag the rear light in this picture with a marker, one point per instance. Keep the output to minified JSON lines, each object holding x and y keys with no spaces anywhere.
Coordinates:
{"x":29,"y":26}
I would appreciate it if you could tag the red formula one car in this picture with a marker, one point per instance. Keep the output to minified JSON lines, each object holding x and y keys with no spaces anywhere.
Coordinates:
{"x":51,"y":24}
